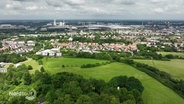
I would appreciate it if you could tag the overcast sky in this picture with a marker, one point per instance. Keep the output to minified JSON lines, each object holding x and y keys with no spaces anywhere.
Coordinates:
{"x":92,"y":9}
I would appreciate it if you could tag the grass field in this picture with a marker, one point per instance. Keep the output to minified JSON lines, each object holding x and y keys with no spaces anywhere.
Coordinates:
{"x":33,"y":63}
{"x":174,"y":67}
{"x":56,"y":63}
{"x":154,"y":92}
{"x":173,"y":53}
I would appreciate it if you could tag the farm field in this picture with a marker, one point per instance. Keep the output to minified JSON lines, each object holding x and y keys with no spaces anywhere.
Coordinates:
{"x":174,"y":67}
{"x":154,"y":92}
{"x":173,"y":53}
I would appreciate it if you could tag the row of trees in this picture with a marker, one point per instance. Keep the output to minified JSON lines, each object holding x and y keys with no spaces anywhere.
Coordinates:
{"x":93,"y":65}
{"x":151,"y":52}
{"x":111,"y":56}
{"x":102,"y":55}
{"x":163,"y":77}
{"x":100,"y":41}
{"x":13,"y":58}
{"x":1,"y":45}
{"x":148,"y":52}
{"x":143,"y":53}
{"x":3,"y":36}
{"x":171,"y":56}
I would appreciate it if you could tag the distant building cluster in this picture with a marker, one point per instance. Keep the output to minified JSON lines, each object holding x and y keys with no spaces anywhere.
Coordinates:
{"x":95,"y":47}
{"x":18,"y":46}
{"x":10,"y":26}
{"x":55,"y":25}
{"x":50,"y":52}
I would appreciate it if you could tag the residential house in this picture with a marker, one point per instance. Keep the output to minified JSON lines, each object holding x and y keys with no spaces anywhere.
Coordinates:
{"x":2,"y":64}
{"x":30,"y":43}
{"x":3,"y":70}
{"x":50,"y":52}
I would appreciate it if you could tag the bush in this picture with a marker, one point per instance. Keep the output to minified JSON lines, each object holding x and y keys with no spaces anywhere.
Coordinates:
{"x":29,"y":67}
{"x":169,"y":56}
{"x":94,"y":65}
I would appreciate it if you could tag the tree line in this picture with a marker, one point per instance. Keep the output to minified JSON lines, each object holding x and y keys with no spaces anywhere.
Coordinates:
{"x":161,"y":76}
{"x":94,"y":65}
{"x":100,"y":41}
{"x":68,"y":88}
{"x":12,"y":58}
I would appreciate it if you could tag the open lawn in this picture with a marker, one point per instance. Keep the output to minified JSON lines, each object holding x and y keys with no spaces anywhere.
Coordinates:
{"x":55,"y":63}
{"x":154,"y":92}
{"x":173,"y":53}
{"x":33,"y":63}
{"x":174,"y":67}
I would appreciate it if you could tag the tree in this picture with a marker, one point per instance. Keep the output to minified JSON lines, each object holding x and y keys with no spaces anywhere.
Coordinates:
{"x":84,"y":99}
{"x":42,"y":69}
{"x":1,"y":45}
{"x":29,"y":67}
{"x":67,"y":99}
{"x":37,"y":75}
{"x":105,"y":99}
{"x":50,"y":96}
{"x":130,"y":102}
{"x":27,"y":78}
{"x":72,"y":88}
{"x":136,"y":94}
{"x":45,"y":78}
{"x":63,"y":66}
{"x":169,"y":56}
{"x":40,"y":62}
{"x":114,"y":100}
{"x":95,"y":98}
{"x":129,"y":83}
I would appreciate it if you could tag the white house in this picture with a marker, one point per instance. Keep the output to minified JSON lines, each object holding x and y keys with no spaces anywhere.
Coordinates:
{"x":3,"y":70}
{"x":30,"y":43}
{"x":16,"y":65}
{"x":70,"y":39}
{"x":50,"y":52}
{"x":2,"y":64}
{"x":59,"y":54}
{"x":55,"y":49}
{"x":45,"y":52}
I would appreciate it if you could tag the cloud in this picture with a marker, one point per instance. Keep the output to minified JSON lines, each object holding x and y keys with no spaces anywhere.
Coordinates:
{"x":21,"y":0}
{"x":57,"y":3}
{"x":128,"y":2}
{"x":13,"y":5}
{"x":158,"y":10}
{"x":54,"y":3}
{"x":92,"y":9}
{"x":32,"y":7}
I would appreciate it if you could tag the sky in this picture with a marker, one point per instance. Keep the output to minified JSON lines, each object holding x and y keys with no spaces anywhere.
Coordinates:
{"x":92,"y":9}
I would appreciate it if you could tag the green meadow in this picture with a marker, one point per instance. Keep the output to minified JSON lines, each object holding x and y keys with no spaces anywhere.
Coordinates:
{"x":174,"y":67}
{"x":33,"y":63}
{"x":154,"y":92}
{"x":57,"y":63}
